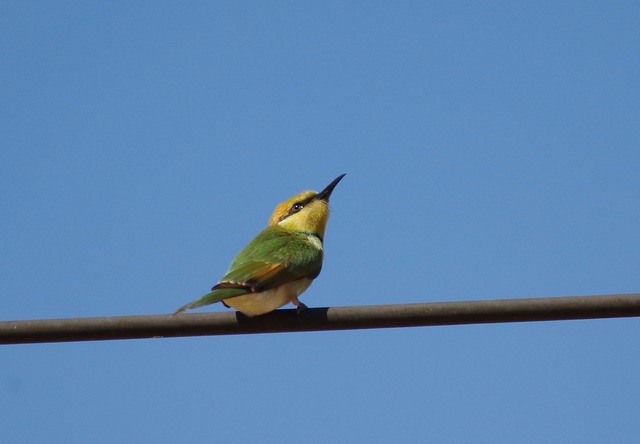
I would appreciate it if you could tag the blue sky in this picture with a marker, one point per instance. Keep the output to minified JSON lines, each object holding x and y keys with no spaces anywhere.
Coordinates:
{"x":492,"y":150}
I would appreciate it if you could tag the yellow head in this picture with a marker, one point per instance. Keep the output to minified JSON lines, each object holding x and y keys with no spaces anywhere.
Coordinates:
{"x":307,"y":211}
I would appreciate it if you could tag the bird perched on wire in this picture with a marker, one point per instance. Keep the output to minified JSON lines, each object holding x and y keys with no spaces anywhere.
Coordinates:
{"x":280,"y":263}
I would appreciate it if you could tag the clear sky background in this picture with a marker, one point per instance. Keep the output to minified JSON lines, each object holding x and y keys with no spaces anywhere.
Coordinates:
{"x":492,"y":150}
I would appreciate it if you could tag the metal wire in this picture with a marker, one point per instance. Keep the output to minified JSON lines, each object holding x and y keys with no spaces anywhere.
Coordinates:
{"x":317,"y":319}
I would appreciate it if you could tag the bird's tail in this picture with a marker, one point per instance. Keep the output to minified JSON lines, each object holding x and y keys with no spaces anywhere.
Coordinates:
{"x":207,"y":299}
{"x":217,"y":294}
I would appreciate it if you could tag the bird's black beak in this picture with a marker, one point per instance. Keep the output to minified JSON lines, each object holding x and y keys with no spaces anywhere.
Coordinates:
{"x":324,"y":194}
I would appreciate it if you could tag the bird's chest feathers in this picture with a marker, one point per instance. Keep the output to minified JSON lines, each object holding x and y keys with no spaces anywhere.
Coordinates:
{"x":314,"y":241}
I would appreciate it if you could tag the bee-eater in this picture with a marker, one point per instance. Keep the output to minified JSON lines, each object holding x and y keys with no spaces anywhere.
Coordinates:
{"x":280,"y":263}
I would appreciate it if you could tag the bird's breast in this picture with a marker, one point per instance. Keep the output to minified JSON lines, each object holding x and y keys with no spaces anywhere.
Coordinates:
{"x":314,"y":240}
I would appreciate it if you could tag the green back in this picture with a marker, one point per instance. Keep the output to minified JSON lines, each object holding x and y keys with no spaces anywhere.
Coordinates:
{"x":275,"y":256}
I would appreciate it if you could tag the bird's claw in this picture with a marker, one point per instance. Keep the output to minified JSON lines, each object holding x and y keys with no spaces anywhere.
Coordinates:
{"x":301,"y":307}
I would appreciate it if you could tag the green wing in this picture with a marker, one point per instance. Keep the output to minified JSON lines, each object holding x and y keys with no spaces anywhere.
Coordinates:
{"x":272,"y":258}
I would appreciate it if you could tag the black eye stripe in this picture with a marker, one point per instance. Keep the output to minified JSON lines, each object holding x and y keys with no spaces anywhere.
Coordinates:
{"x":300,"y":205}
{"x":297,"y":206}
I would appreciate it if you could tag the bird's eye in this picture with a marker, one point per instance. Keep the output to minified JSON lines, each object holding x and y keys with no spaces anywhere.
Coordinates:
{"x":296,"y":207}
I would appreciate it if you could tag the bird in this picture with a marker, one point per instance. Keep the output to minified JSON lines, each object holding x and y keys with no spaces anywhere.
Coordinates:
{"x":280,"y":263}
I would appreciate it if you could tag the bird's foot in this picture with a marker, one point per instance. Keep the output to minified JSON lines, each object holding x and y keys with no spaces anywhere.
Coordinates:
{"x":299,"y":305}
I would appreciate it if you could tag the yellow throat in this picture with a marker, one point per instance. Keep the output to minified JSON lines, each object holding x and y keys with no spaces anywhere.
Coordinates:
{"x":303,"y":212}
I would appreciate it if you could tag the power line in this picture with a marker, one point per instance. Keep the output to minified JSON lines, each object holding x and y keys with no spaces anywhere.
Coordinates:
{"x":318,"y":319}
